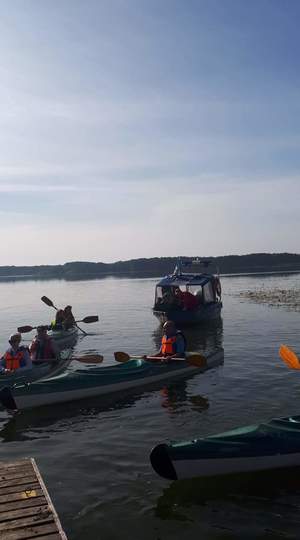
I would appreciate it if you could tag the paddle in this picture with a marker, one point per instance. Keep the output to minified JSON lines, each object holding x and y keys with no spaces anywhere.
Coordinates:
{"x":194,"y":359}
{"x":86,"y":359}
{"x":89,"y":359}
{"x":86,"y":320}
{"x":49,"y":303}
{"x":289,"y":357}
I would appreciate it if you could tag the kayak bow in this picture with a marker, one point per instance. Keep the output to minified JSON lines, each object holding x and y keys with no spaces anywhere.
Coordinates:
{"x":271,"y":445}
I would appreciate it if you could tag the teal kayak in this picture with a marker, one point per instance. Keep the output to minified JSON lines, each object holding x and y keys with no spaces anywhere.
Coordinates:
{"x":271,"y":445}
{"x":84,"y":383}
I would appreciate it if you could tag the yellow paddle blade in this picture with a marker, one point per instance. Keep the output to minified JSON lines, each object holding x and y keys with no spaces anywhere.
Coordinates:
{"x":289,"y":357}
{"x":196,"y":360}
{"x":121,"y":356}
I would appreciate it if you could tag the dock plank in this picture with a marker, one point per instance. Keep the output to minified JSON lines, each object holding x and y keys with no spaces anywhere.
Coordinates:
{"x":26,"y":510}
{"x":17,"y":481}
{"x":24,"y":503}
{"x":14,"y":464}
{"x":23,"y":512}
{"x":29,"y":532}
{"x":23,"y":488}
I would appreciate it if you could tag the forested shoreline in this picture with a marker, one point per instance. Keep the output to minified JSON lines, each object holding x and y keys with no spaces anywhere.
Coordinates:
{"x":157,"y":266}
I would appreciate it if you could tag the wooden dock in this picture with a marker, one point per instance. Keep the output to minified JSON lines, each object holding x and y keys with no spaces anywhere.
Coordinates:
{"x":26,"y":510}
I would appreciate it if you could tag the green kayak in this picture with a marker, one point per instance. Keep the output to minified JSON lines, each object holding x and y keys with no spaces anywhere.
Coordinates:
{"x":84,"y":383}
{"x":271,"y":445}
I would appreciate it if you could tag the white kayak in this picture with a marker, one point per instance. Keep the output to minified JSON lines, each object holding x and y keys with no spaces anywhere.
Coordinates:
{"x":64,"y":338}
{"x":40,"y":370}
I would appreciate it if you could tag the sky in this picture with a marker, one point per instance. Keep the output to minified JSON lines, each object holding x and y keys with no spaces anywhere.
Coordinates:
{"x":137,"y":128}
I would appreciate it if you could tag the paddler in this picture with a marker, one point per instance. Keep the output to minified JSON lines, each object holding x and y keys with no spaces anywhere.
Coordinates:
{"x":58,"y":323}
{"x":43,"y":346}
{"x":69,"y":319}
{"x":17,"y":357}
{"x":173,"y":343}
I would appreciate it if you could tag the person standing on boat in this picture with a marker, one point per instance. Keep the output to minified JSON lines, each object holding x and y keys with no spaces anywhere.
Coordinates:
{"x":173,"y":343}
{"x":43,"y":346}
{"x":69,"y":319}
{"x":16,"y":357}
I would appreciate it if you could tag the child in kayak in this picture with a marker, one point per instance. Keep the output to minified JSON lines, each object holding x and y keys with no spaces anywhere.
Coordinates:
{"x":173,"y":343}
{"x":17,"y":357}
{"x":43,"y":346}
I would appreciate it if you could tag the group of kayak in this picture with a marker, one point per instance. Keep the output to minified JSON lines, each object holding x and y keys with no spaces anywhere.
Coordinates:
{"x":17,"y":357}
{"x":42,"y":348}
{"x":275,"y":444}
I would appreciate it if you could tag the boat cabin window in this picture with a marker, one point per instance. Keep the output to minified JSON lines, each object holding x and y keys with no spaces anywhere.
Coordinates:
{"x":167,"y":295}
{"x":196,"y":290}
{"x":208,"y":293}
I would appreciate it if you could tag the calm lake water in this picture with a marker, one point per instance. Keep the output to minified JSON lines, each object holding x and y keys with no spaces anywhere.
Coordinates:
{"x":94,"y":456}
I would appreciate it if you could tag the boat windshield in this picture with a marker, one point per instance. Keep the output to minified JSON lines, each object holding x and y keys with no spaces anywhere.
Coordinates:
{"x":208,"y":293}
{"x":167,"y":294}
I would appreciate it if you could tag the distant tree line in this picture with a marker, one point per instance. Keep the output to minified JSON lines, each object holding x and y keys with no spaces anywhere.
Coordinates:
{"x":157,"y":266}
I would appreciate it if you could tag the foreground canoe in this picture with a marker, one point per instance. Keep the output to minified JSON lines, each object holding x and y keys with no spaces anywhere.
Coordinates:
{"x":271,"y":445}
{"x":84,"y":383}
{"x":64,"y":338}
{"x":42,"y":370}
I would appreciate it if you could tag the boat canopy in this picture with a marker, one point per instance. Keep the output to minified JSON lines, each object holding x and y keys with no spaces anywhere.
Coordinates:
{"x":185,"y":279}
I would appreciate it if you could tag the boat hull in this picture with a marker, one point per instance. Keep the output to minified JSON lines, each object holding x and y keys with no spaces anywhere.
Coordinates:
{"x":274,"y":445}
{"x":180,"y":317}
{"x":45,"y":369}
{"x":64,"y":338}
{"x":100,"y":381}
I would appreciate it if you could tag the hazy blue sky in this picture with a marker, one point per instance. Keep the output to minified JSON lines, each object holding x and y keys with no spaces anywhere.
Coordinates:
{"x":139,"y":128}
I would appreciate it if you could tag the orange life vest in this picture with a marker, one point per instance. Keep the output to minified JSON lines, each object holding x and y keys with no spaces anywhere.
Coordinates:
{"x":167,"y":345}
{"x":13,"y":362}
{"x":42,"y":350}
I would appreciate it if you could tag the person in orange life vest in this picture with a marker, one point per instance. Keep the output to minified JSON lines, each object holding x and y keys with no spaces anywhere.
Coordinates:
{"x":43,"y":346}
{"x":16,"y":357}
{"x":173,"y":342}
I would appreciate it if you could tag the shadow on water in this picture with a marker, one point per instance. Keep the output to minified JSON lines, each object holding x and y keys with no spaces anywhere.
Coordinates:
{"x":241,"y":489}
{"x":205,"y":337}
{"x":34,"y":424}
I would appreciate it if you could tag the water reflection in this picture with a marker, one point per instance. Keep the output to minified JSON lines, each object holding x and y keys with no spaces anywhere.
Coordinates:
{"x":35,"y":423}
{"x":245,"y":489}
{"x":41,"y":422}
{"x":206,"y":338}
{"x":175,"y":398}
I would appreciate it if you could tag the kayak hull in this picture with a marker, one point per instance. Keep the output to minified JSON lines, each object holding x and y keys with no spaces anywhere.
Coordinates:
{"x":64,"y":338}
{"x":99,"y":381}
{"x":204,"y":313}
{"x":274,"y":445}
{"x":47,"y":368}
